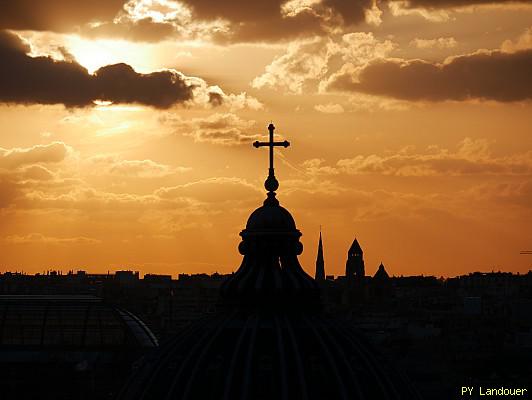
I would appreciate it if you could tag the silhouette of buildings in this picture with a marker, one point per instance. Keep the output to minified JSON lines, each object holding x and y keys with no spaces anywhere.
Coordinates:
{"x":269,"y":338}
{"x":440,"y":331}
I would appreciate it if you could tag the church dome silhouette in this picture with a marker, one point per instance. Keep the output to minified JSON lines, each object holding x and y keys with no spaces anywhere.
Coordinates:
{"x":270,"y":217}
{"x":270,"y":338}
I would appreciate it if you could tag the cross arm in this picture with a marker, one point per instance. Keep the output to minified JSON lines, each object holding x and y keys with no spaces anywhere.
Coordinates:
{"x":258,"y":144}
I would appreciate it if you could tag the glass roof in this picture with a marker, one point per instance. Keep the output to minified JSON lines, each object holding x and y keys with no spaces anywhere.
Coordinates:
{"x":74,"y":321}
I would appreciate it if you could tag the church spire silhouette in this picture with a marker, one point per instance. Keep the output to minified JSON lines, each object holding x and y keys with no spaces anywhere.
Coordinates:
{"x":320,"y":263}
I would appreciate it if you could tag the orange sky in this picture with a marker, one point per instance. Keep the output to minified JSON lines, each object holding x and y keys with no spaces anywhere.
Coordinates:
{"x":127,"y":130}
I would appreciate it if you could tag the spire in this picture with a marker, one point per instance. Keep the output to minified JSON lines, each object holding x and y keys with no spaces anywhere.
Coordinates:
{"x":320,"y":263}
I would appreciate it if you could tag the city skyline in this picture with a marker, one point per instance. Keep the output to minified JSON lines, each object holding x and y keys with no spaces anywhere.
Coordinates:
{"x":128,"y":130}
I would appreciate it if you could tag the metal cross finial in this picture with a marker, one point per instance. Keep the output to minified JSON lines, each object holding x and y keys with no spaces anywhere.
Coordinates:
{"x":271,"y":183}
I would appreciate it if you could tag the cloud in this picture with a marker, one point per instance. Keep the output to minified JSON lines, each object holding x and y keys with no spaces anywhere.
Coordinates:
{"x":244,"y":21}
{"x":523,"y":42}
{"x":472,"y":157}
{"x":439,"y":43}
{"x":310,"y":62}
{"x":37,"y":173}
{"x":87,"y":198}
{"x":329,"y":108}
{"x":212,"y":190}
{"x":113,"y":165}
{"x":302,"y":62}
{"x":402,"y":8}
{"x":258,"y":21}
{"x":218,"y":128}
{"x":213,"y":20}
{"x":515,"y":193}
{"x":454,"y":3}
{"x":153,"y":20}
{"x":315,"y":166}
{"x":32,"y":168}
{"x":439,"y":11}
{"x":486,"y":75}
{"x":33,"y":238}
{"x":48,"y":153}
{"x":156,"y":20}
{"x":369,"y":103}
{"x":43,"y":80}
{"x":55,"y":15}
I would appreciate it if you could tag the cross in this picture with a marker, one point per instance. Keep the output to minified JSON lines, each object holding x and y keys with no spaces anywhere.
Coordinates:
{"x":271,"y":144}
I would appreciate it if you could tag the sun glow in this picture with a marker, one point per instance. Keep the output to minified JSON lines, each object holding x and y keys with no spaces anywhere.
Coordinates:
{"x":159,"y":11}
{"x":94,"y":54}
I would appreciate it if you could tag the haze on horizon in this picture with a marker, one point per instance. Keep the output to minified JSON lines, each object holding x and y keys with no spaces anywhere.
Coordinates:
{"x":127,"y":130}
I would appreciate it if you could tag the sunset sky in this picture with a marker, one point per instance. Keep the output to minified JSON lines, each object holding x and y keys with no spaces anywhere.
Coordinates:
{"x":126,"y":131}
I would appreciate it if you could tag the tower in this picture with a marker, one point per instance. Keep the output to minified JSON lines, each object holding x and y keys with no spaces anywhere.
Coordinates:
{"x":354,"y":266}
{"x":320,"y":264}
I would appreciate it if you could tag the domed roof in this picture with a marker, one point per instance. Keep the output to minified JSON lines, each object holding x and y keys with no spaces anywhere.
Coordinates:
{"x":270,"y":274}
{"x":270,"y":338}
{"x":76,"y":322}
{"x":67,"y":347}
{"x":270,"y":217}
{"x":268,"y":355}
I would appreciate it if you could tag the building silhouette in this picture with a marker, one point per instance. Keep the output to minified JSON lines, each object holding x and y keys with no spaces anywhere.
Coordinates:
{"x":381,"y":274}
{"x":354,"y":266}
{"x":270,"y":338}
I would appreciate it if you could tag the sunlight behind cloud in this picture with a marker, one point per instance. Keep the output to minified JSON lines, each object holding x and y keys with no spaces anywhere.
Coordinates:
{"x":94,"y":54}
{"x":157,"y":10}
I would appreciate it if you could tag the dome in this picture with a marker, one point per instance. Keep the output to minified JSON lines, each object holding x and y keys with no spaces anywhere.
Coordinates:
{"x":270,"y":217}
{"x":270,"y":338}
{"x":268,"y":355}
{"x":77,"y":322}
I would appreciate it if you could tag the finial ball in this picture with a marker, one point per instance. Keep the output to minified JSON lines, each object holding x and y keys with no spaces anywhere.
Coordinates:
{"x":271,"y":184}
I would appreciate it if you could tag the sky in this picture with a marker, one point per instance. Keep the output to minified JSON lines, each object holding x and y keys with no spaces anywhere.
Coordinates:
{"x":126,"y":131}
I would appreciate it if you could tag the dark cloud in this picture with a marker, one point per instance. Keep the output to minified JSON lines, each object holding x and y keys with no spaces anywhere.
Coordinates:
{"x":121,"y":84}
{"x":266,"y":20}
{"x":456,"y":3}
{"x":55,"y":15}
{"x":352,"y":12}
{"x":43,"y":80}
{"x":498,"y":76}
{"x":144,"y":30}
